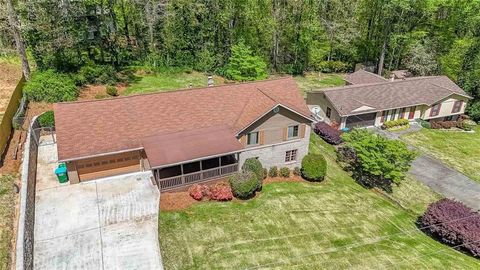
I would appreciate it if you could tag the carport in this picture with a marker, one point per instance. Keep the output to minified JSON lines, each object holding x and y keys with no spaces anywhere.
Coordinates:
{"x":361,"y":120}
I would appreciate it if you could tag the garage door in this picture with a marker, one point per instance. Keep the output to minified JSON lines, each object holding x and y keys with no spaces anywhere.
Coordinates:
{"x":361,"y":120}
{"x":95,"y":168}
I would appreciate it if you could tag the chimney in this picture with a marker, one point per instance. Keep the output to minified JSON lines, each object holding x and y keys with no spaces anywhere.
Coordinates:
{"x":210,"y":80}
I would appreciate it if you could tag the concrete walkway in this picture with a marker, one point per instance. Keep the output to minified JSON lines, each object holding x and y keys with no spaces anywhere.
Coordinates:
{"x":110,"y":223}
{"x":438,"y":176}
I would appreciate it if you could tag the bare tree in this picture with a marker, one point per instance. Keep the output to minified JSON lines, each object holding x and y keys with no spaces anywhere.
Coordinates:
{"x":15,"y":26}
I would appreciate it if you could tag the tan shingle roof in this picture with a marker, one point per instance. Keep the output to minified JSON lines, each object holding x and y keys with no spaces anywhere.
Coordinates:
{"x":390,"y":95}
{"x":89,"y":128}
{"x":363,"y":77}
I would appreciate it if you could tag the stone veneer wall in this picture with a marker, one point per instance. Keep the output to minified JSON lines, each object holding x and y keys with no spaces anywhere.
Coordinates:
{"x":274,"y":155}
{"x":25,"y":233}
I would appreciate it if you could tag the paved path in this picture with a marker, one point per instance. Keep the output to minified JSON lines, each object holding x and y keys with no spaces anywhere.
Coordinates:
{"x":110,"y":223}
{"x":438,"y":176}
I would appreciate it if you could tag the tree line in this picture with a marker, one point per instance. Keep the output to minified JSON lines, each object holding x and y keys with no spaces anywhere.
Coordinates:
{"x":291,"y":36}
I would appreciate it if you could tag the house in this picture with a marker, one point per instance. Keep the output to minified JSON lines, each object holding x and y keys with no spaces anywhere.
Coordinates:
{"x":370,"y":100}
{"x":185,"y":136}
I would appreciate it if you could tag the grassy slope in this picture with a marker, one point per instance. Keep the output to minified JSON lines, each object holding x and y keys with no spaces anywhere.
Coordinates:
{"x":6,"y":219}
{"x":315,"y":80}
{"x":458,"y":149}
{"x":306,"y":226}
{"x":169,"y":81}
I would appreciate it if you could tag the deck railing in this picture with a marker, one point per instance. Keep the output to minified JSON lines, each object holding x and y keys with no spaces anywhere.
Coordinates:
{"x":187,"y":179}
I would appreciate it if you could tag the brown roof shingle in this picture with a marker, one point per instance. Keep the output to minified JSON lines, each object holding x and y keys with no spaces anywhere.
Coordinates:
{"x":89,"y":128}
{"x":364,"y":77}
{"x":389,"y":95}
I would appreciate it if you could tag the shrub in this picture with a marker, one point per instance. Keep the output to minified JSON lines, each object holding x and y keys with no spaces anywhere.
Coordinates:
{"x":374,"y":160}
{"x":244,"y":66}
{"x":97,"y":74}
{"x":396,"y":123}
{"x":443,"y":124}
{"x":47,"y":119}
{"x":254,"y":165}
{"x":265,"y":173}
{"x":332,"y":66}
{"x":328,"y":133}
{"x":296,"y":171}
{"x":285,"y":172}
{"x":273,"y":172}
{"x":244,"y":184}
{"x":466,"y":124}
{"x":314,"y":167}
{"x":50,"y":86}
{"x":221,"y":192}
{"x":112,"y":91}
{"x":425,"y":124}
{"x":453,"y":223}
{"x":197,"y":191}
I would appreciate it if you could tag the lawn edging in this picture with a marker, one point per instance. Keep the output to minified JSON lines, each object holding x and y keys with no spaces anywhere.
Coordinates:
{"x":26,"y":220}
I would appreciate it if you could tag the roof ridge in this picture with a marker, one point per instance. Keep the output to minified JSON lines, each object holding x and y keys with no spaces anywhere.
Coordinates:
{"x":177,"y":90}
{"x":371,"y":73}
{"x":347,"y":87}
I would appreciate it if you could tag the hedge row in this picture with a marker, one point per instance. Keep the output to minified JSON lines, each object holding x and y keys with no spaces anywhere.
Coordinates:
{"x":328,"y":133}
{"x":453,"y":223}
{"x":396,"y":123}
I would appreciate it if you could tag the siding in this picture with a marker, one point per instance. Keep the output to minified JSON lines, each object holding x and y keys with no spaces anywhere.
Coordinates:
{"x":318,"y":99}
{"x":446,"y":107}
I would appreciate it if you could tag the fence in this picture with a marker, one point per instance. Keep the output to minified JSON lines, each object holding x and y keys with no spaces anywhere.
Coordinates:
{"x":6,"y":122}
{"x":25,"y":232}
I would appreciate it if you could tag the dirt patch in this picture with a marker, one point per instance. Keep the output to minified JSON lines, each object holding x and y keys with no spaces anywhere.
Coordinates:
{"x":92,"y":92}
{"x":292,"y":178}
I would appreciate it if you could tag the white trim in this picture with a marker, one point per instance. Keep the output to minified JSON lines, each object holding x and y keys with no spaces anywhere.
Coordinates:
{"x":102,"y":154}
{"x":276,"y":105}
{"x":273,"y":144}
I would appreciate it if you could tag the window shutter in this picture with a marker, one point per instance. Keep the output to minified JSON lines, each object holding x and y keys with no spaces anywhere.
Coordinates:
{"x":261,"y":139}
{"x":285,"y":133}
{"x":302,"y":131}
{"x":243,"y":140}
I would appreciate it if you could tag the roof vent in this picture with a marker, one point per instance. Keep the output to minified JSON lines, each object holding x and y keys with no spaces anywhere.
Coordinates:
{"x":210,"y":81}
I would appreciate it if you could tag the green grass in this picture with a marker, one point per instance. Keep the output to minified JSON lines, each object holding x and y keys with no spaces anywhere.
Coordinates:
{"x":460,"y":150}
{"x":167,"y":81}
{"x":7,"y":208}
{"x":335,"y":224}
{"x":313,"y":80}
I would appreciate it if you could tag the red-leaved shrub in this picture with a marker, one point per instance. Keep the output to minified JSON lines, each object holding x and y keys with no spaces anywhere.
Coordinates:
{"x":453,"y":223}
{"x":444,"y":124}
{"x":221,"y":192}
{"x":199,"y":191}
{"x":328,"y":133}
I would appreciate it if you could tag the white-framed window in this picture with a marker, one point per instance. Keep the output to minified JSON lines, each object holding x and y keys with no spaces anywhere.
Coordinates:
{"x":252,"y":138}
{"x":292,"y":132}
{"x":291,"y":155}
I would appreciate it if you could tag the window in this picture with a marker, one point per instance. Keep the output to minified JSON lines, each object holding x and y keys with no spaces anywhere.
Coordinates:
{"x":252,"y":138}
{"x":435,"y":110}
{"x":329,"y":112}
{"x":457,"y":106}
{"x":402,"y":113}
{"x":291,"y":155}
{"x":392,"y":117}
{"x":293,"y":131}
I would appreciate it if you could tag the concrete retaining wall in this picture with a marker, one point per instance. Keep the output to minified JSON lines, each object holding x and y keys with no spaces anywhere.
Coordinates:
{"x":25,"y":233}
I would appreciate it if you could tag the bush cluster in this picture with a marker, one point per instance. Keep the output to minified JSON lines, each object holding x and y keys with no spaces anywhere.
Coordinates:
{"x":453,"y":223}
{"x":255,"y":166}
{"x":332,"y":66}
{"x":50,"y":86}
{"x":273,"y":171}
{"x":314,"y":167}
{"x":462,"y":123}
{"x":47,"y":119}
{"x":244,"y":184}
{"x":328,"y":133}
{"x":396,"y":123}
{"x":285,"y":172}
{"x":217,"y":192}
{"x":425,"y":124}
{"x":296,"y":171}
{"x":96,"y":74}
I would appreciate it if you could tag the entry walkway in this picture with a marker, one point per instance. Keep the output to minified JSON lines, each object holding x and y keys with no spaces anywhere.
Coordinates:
{"x":109,"y":223}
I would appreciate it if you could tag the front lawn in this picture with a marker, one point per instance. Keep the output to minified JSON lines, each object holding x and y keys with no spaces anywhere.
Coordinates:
{"x":459,"y":150}
{"x":165,"y":81}
{"x":335,"y":224}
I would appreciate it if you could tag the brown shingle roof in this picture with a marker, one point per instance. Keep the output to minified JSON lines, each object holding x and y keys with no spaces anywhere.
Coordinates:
{"x":89,"y":128}
{"x":363,"y":77}
{"x":389,"y":95}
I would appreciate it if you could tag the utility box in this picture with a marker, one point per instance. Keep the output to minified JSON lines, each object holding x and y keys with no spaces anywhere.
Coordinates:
{"x":61,"y":173}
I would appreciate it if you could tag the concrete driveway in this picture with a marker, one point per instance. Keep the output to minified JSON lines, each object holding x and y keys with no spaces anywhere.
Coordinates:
{"x":109,"y":223}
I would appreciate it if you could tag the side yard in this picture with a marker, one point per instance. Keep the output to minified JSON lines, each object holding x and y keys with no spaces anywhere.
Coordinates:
{"x":460,"y":150}
{"x":7,"y":208}
{"x":333,"y":224}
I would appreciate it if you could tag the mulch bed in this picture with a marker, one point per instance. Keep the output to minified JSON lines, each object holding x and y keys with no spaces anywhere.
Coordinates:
{"x":173,"y":201}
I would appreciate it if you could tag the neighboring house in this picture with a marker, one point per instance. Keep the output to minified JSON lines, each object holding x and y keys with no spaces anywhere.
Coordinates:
{"x":185,"y":136}
{"x":372,"y":102}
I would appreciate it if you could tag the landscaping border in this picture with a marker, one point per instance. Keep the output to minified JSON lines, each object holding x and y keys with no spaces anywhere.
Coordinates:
{"x":26,"y":220}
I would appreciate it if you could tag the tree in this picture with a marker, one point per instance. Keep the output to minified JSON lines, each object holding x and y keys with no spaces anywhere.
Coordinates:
{"x":244,"y":66}
{"x":374,"y":160}
{"x":20,"y":44}
{"x":421,"y":60}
